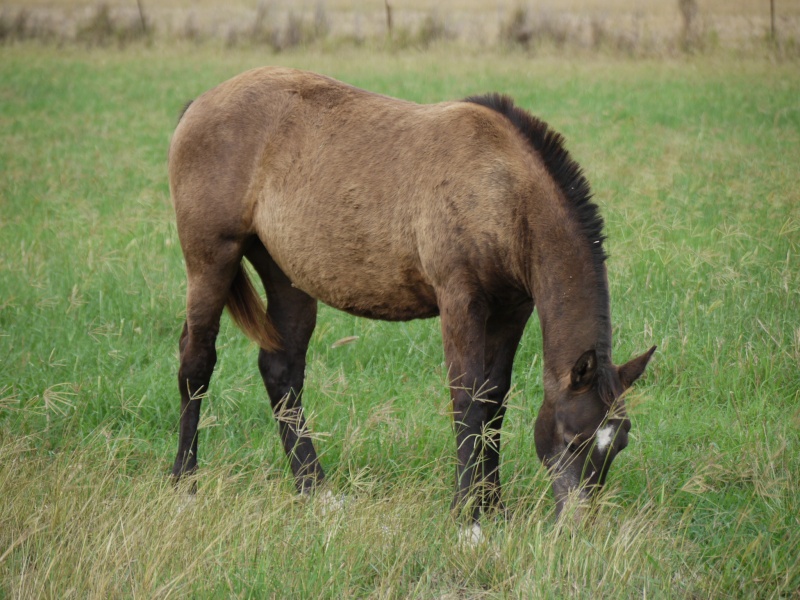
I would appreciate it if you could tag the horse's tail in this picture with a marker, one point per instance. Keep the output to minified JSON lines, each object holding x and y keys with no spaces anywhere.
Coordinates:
{"x":250,"y":314}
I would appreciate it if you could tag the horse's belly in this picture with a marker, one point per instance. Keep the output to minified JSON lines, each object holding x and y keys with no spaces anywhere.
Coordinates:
{"x":400,"y":307}
{"x":350,"y":248}
{"x":379,"y":287}
{"x":371,"y":295}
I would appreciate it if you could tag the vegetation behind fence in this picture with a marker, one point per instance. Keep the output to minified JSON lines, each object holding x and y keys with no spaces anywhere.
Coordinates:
{"x":617,"y":26}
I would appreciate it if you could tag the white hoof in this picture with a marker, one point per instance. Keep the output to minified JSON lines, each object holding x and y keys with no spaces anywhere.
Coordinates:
{"x":328,"y":503}
{"x":186,"y":502}
{"x":471,"y":536}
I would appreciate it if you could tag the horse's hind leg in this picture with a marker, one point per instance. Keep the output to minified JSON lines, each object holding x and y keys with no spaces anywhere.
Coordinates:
{"x":209,"y":283}
{"x":294,"y":315}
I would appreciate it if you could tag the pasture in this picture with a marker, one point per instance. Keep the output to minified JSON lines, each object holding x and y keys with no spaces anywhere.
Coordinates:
{"x":694,"y":165}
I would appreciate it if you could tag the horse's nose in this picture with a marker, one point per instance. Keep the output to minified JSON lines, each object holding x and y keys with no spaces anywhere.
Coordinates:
{"x":622,"y":434}
{"x":622,"y":439}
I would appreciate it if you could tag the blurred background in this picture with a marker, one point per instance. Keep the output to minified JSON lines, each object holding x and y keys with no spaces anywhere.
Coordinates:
{"x":646,"y":28}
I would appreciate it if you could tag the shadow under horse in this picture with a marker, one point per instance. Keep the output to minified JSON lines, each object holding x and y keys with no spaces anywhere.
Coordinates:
{"x":470,"y":210}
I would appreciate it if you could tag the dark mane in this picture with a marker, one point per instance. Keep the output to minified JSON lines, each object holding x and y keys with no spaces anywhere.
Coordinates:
{"x":185,"y":108}
{"x":565,"y":171}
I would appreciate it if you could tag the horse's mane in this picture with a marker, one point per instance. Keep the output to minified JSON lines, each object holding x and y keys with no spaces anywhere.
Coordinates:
{"x":567,"y":173}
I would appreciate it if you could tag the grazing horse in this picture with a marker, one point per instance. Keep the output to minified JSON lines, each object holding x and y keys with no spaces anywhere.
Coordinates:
{"x":387,"y":209}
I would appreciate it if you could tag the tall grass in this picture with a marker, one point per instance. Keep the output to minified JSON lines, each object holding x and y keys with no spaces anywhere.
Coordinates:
{"x":693,"y":164}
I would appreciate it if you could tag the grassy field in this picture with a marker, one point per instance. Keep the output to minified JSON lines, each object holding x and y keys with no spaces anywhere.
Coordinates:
{"x":694,"y":163}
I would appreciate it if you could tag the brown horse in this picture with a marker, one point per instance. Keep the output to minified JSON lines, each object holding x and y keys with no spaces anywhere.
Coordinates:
{"x":383,"y":208}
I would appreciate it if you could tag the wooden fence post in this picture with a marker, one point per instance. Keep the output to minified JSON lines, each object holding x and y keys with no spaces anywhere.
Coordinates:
{"x":388,"y":18}
{"x":772,"y":19}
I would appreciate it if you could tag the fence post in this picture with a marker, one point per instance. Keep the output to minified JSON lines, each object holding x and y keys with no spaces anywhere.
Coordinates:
{"x":388,"y":18}
{"x":141,"y":16}
{"x":772,"y":18}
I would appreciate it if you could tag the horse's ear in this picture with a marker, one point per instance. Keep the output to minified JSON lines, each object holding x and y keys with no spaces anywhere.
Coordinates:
{"x":584,"y":370}
{"x":633,"y":369}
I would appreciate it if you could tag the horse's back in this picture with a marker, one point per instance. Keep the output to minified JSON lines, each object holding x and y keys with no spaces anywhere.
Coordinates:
{"x":369,"y":203}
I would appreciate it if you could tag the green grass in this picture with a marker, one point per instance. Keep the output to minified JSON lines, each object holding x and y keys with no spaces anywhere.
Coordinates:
{"x":694,"y":164}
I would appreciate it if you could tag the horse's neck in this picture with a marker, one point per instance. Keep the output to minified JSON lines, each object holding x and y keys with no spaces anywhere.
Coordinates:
{"x":571,"y":296}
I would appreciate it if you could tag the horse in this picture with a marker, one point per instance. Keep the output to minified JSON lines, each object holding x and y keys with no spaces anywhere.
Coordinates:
{"x":470,"y":210}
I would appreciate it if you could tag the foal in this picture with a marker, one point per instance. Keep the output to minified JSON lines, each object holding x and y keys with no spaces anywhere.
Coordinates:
{"x":386,"y":209}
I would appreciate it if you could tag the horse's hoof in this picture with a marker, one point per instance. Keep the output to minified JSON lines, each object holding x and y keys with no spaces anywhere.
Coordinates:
{"x":328,"y":503}
{"x":471,"y":536}
{"x":185,"y":502}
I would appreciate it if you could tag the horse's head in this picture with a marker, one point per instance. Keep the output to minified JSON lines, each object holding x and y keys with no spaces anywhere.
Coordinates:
{"x":583,"y":424}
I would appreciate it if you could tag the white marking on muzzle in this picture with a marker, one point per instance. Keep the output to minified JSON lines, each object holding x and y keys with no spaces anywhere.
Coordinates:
{"x":604,"y":437}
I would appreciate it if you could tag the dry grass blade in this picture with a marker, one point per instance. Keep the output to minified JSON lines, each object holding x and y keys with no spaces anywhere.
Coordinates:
{"x":58,"y":398}
{"x":351,"y":339}
{"x":19,"y":540}
{"x":8,"y":398}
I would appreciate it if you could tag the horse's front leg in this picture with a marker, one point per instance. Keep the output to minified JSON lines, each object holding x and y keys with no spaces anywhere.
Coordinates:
{"x":503,"y":333}
{"x":463,"y":333}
